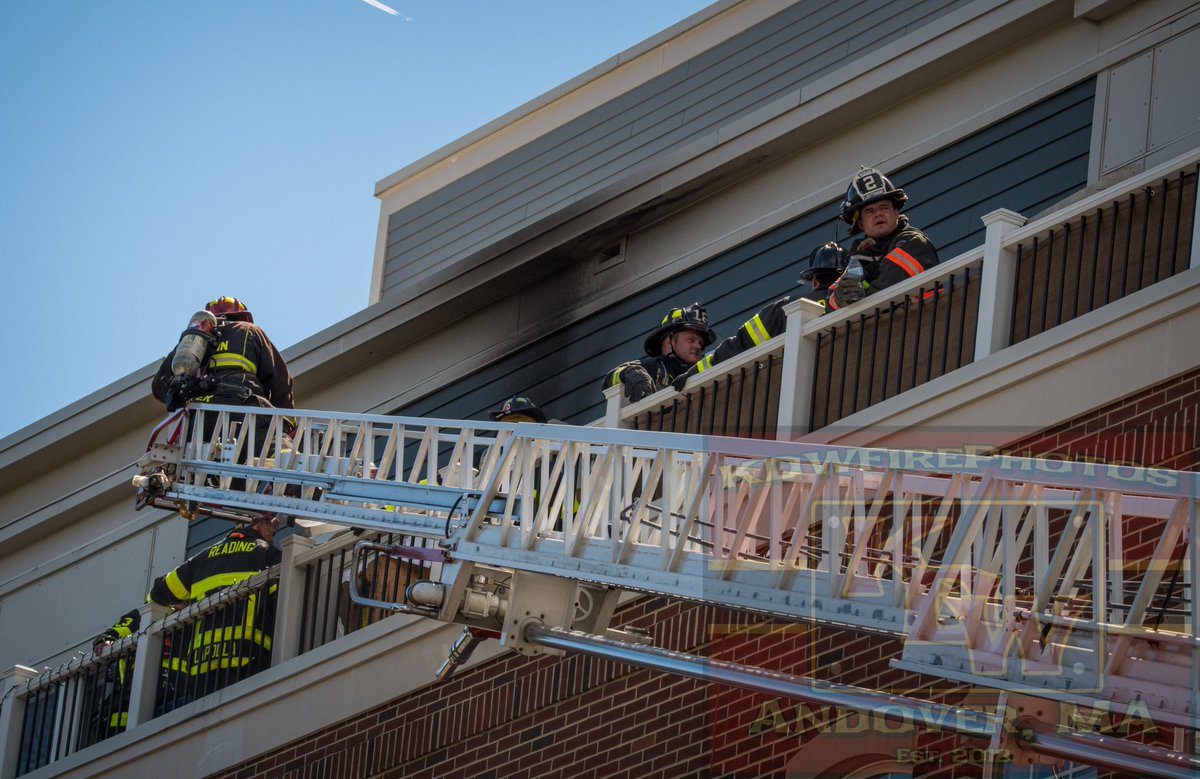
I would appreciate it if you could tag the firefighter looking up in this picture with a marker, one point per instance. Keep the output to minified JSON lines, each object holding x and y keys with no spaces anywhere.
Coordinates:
{"x":825,"y":264}
{"x":210,"y":645}
{"x":671,"y":349}
{"x":892,"y":251}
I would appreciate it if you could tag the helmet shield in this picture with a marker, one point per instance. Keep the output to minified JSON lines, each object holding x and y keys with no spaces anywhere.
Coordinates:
{"x":869,"y":186}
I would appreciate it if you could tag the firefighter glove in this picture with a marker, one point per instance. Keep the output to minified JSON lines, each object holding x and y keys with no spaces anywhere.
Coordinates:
{"x":682,"y":378}
{"x":637,"y":383}
{"x":847,"y":291}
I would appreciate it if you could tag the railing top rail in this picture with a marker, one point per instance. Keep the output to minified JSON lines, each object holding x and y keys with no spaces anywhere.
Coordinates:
{"x":971,"y":258}
{"x":664,"y":396}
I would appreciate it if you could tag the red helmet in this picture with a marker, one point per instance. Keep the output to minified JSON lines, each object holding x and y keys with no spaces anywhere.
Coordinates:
{"x":230,"y":308}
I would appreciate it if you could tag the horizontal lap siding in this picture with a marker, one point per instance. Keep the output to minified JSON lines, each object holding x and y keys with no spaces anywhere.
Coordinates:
{"x":766,"y":62}
{"x":563,"y":371}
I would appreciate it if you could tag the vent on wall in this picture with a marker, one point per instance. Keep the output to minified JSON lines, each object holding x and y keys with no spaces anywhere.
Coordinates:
{"x":610,"y":256}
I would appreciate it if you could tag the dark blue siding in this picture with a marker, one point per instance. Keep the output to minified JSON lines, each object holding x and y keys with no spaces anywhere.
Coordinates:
{"x":1024,"y":163}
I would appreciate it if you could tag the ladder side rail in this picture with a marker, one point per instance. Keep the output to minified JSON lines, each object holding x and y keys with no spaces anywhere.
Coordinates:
{"x":984,"y":574}
{"x":550,"y":495}
{"x":739,"y":525}
{"x":1116,"y":551}
{"x":1052,"y":581}
{"x":955,"y":492}
{"x":388,"y":457}
{"x":622,"y":546}
{"x":1099,"y":551}
{"x":959,"y":545}
{"x":846,"y":529}
{"x":469,"y":530}
{"x":865,"y":529}
{"x":796,"y":523}
{"x":1193,"y":625}
{"x":1156,"y":565}
{"x":667,"y":507}
{"x":1083,"y":519}
{"x":596,"y":500}
{"x":702,"y":483}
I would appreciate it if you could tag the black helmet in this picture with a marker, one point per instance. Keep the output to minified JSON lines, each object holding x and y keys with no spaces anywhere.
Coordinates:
{"x":830,"y":259}
{"x":692,"y":317}
{"x":869,"y":186}
{"x":519,"y":404}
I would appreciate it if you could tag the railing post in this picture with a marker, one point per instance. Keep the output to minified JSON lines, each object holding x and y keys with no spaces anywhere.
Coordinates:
{"x":795,"y":383}
{"x":12,"y":717}
{"x":997,"y":286}
{"x":614,"y":398}
{"x":1194,"y":260}
{"x":289,"y":605}
{"x":147,"y":665}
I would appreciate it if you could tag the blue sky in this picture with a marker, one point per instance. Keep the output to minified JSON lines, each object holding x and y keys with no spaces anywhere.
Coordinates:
{"x":155,"y":155}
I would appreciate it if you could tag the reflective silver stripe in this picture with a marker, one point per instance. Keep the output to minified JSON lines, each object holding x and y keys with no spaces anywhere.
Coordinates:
{"x":227,"y":360}
{"x":757,"y":332}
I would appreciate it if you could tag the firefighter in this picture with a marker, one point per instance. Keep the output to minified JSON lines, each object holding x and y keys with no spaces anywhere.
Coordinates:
{"x":112,"y":708}
{"x":519,"y":408}
{"x":243,"y":368}
{"x":825,"y":264}
{"x":673,"y":347}
{"x":892,"y":251}
{"x":234,"y":640}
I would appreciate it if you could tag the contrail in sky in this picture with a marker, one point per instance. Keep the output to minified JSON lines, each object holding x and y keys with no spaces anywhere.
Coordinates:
{"x":382,"y":7}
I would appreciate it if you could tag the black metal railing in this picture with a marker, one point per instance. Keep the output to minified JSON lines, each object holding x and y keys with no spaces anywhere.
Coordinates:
{"x":328,"y":611}
{"x":898,"y":345}
{"x":1102,"y":256}
{"x":742,"y":403}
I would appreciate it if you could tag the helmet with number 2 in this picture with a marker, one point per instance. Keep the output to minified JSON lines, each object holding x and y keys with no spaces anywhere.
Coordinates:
{"x":869,"y":186}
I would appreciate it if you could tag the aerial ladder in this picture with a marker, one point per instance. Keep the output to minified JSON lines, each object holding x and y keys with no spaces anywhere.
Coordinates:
{"x":1043,"y":579}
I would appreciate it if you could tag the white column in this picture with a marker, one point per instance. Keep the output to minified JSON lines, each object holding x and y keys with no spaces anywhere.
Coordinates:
{"x":997,"y":286}
{"x":12,"y":717}
{"x":289,"y":604}
{"x":147,"y":665}
{"x":799,"y":358}
{"x":1194,"y":260}
{"x":614,"y":398}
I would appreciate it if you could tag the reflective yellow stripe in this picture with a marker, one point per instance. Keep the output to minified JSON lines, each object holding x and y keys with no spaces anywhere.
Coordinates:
{"x":119,"y":720}
{"x":616,"y":379}
{"x":203,"y":587}
{"x":176,"y":587}
{"x":227,"y":360}
{"x":757,"y":331}
{"x":705,"y":363}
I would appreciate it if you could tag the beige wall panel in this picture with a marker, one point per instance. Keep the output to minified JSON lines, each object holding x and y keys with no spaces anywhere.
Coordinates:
{"x":68,"y":597}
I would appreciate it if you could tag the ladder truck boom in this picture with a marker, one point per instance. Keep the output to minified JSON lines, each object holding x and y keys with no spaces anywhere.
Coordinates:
{"x":996,"y":571}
